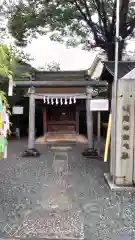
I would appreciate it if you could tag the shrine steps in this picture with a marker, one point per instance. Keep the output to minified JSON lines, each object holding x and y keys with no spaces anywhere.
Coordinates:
{"x":49,"y":138}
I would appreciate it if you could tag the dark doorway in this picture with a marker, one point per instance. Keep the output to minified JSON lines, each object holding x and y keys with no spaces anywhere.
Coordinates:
{"x":82,"y":123}
{"x":39,"y":119}
{"x":61,"y":119}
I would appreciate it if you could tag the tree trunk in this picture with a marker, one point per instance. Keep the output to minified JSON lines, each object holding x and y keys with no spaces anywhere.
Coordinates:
{"x":111,"y":51}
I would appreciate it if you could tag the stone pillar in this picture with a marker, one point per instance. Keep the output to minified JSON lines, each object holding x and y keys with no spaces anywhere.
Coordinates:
{"x":122,"y":161}
{"x":90,"y":151}
{"x":89,"y":118}
{"x":31,"y":150}
{"x":31,"y":132}
{"x":112,"y":143}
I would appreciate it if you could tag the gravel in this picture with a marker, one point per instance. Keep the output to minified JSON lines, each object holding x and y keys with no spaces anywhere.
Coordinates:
{"x":60,"y":197}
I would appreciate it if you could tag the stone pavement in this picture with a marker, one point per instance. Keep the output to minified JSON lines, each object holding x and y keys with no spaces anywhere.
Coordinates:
{"x":61,"y":195}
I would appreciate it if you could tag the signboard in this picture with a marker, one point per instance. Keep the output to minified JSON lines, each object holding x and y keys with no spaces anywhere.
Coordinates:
{"x":99,"y":105}
{"x":17,"y":110}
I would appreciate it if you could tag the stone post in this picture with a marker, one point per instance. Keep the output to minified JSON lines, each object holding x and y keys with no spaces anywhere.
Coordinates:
{"x":89,"y":118}
{"x":90,"y":151}
{"x":125,"y":133}
{"x":122,"y":164}
{"x":31,"y":150}
{"x":31,"y":132}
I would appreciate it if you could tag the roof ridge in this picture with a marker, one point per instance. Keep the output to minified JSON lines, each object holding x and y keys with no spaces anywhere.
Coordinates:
{"x":119,"y":61}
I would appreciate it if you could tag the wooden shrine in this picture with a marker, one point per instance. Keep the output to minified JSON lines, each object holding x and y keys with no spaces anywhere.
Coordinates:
{"x":61,"y":109}
{"x":60,"y":93}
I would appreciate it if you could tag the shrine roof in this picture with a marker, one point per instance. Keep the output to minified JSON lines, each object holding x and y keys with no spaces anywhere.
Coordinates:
{"x":61,"y":75}
{"x":124,"y":67}
{"x":25,"y":67}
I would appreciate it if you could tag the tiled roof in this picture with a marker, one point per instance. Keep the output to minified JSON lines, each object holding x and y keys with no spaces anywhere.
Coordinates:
{"x":61,"y":75}
{"x":124,"y":67}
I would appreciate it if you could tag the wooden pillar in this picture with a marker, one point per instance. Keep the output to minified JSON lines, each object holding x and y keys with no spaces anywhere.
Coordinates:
{"x":89,"y":118}
{"x":44,"y":121}
{"x":31,"y":135}
{"x":77,"y":120}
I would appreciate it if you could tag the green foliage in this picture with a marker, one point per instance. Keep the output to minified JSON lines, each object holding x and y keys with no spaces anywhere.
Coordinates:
{"x":100,"y":92}
{"x":10,"y":58}
{"x":7,"y":64}
{"x":52,"y":66}
{"x":3,"y":96}
{"x":87,"y":22}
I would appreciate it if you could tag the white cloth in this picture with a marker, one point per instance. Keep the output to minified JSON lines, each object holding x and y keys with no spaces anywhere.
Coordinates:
{"x":5,"y":129}
{"x":5,"y":152}
{"x":6,"y":124}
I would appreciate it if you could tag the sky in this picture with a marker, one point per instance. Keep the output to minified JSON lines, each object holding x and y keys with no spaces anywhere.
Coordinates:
{"x":43,"y":50}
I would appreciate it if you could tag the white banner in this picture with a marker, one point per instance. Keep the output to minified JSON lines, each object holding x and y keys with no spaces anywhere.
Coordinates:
{"x":17,"y":110}
{"x":99,"y":105}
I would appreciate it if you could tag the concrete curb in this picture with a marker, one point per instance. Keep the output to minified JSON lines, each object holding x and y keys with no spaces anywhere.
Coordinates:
{"x":114,"y":187}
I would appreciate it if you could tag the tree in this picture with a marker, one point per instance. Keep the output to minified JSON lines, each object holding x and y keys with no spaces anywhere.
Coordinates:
{"x":10,"y":59}
{"x":52,"y":66}
{"x":7,"y":63}
{"x":87,"y":22}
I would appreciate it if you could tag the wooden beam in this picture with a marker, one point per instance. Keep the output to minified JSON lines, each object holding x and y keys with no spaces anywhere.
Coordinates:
{"x":60,"y":83}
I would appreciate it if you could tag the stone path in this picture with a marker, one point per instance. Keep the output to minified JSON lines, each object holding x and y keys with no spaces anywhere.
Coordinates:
{"x":61,"y":195}
{"x":60,"y":216}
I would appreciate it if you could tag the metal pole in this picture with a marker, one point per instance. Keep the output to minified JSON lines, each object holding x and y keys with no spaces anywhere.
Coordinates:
{"x":114,"y":93}
{"x":31,"y":136}
{"x":99,"y":132}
